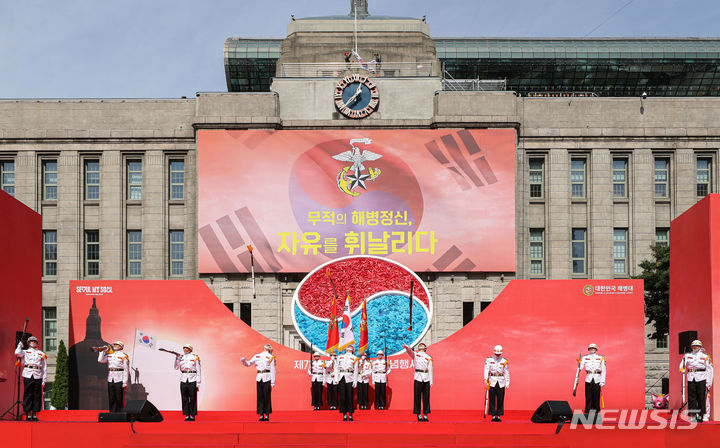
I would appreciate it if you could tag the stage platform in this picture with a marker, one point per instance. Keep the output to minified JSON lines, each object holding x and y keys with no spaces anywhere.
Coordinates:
{"x":325,"y":429}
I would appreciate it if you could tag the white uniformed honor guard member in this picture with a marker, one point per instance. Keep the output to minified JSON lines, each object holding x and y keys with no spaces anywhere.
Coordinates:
{"x":380,"y":371}
{"x":265,"y":364}
{"x":423,"y":380}
{"x":497,"y":380}
{"x":364,"y":372}
{"x":317,"y":377}
{"x":118,"y":373}
{"x":346,"y":369}
{"x":594,"y":365}
{"x":190,"y":379}
{"x":34,"y":374}
{"x":331,"y":381}
{"x":699,"y":379}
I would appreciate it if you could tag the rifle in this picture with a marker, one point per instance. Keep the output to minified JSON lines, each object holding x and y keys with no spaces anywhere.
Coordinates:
{"x":311,"y":353}
{"x":386,"y":361}
{"x":684,"y":376}
{"x":487,"y":397}
{"x":577,"y":375}
{"x":169,"y":351}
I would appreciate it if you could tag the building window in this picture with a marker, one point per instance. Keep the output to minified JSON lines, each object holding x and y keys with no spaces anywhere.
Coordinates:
{"x":92,"y":253}
{"x":49,"y":252}
{"x":50,"y":180}
{"x":662,"y":178}
{"x":134,"y":179}
{"x":177,"y":179}
{"x":578,"y":251}
{"x":537,"y":169}
{"x":49,"y":329}
{"x":246,"y":313}
{"x":177,"y":252}
{"x":7,"y":176}
{"x":537,"y":252}
{"x":134,"y":250}
{"x":468,"y":312}
{"x":662,"y":236}
{"x":619,"y":176}
{"x":620,"y":250}
{"x":92,"y":179}
{"x":484,"y":305}
{"x":663,"y":342}
{"x":577,"y":177}
{"x":703,"y":176}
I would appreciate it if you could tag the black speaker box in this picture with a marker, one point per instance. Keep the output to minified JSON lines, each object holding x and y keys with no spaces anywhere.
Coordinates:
{"x":551,"y":411}
{"x":685,"y":338}
{"x":142,"y":411}
{"x":113,"y":417}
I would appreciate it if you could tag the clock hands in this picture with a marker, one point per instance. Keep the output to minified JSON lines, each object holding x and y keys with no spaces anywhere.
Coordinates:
{"x":354,"y":96}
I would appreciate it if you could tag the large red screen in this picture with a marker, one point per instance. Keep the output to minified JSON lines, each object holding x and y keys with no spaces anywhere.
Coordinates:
{"x":434,"y":200}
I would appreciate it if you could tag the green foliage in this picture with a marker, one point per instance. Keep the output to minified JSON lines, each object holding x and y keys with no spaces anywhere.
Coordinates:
{"x":59,"y":396}
{"x":656,"y":273}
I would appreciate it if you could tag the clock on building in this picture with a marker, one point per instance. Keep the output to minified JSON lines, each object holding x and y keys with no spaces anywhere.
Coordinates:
{"x":356,"y":96}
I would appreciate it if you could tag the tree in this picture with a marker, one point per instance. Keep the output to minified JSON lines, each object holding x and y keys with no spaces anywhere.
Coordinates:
{"x":656,"y":273}
{"x":59,"y":396}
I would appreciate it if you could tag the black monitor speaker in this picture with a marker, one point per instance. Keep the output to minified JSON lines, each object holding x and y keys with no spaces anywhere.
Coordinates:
{"x":552,"y":412}
{"x":685,"y":338}
{"x":142,"y":411}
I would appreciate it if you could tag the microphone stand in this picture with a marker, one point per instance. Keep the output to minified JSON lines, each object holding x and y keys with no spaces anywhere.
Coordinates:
{"x":18,"y":375}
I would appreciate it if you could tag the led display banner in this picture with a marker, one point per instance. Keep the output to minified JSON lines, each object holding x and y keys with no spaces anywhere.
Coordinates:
{"x":433,"y":200}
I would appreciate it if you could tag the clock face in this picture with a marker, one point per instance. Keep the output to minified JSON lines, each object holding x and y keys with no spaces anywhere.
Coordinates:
{"x":356,"y":96}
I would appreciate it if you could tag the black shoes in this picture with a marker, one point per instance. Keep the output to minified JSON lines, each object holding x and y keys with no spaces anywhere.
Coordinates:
{"x":31,"y":418}
{"x":420,"y":418}
{"x":425,"y":419}
{"x":187,"y":418}
{"x":345,"y":417}
{"x":350,"y":418}
{"x":496,"y":418}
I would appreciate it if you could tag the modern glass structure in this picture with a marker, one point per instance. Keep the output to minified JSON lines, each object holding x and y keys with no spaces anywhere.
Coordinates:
{"x":250,"y":63}
{"x":604,"y":67}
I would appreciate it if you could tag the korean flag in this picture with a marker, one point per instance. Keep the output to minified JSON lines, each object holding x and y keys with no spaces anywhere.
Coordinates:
{"x":145,"y":340}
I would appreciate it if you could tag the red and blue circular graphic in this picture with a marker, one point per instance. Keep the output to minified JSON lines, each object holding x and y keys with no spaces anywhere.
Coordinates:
{"x":385,"y":284}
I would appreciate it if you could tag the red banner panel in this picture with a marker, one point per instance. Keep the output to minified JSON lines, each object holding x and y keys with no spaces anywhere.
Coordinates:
{"x":433,"y":200}
{"x":541,"y":324}
{"x":20,"y":286}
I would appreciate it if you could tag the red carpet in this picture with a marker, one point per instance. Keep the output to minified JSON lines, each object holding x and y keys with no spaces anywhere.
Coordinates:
{"x":324,"y":429}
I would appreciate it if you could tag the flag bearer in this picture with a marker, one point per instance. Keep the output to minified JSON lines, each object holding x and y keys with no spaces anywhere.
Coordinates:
{"x":317,"y":378}
{"x":380,"y":371}
{"x":34,"y":375}
{"x":594,"y":365}
{"x":497,"y":380}
{"x":265,"y":380}
{"x":118,"y":373}
{"x":190,"y":378}
{"x":423,"y":380}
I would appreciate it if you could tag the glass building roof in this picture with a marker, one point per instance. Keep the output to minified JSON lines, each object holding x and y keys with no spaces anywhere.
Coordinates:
{"x":606,"y":67}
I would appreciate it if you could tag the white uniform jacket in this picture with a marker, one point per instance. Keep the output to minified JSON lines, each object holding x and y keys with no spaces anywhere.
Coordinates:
{"x":365,"y":371}
{"x":594,"y":366}
{"x":317,"y":371}
{"x":497,"y":371}
{"x":423,"y":365}
{"x":189,"y":367}
{"x":34,"y":363}
{"x":699,"y":367}
{"x":346,"y":367}
{"x":330,"y":371}
{"x":118,"y":366}
{"x":378,"y":371}
{"x":265,"y":364}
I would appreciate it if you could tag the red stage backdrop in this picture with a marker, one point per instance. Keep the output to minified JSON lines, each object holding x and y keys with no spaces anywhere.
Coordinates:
{"x":542,"y":325}
{"x":438,"y":200}
{"x":695,"y":287}
{"x":20,"y":285}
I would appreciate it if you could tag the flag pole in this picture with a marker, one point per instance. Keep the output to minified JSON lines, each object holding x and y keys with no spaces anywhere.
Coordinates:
{"x":355,"y":27}
{"x":412,"y":286}
{"x":252,"y":269}
{"x":132,"y":360}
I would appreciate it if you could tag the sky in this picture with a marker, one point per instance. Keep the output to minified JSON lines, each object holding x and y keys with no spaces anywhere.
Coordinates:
{"x":174,"y":48}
